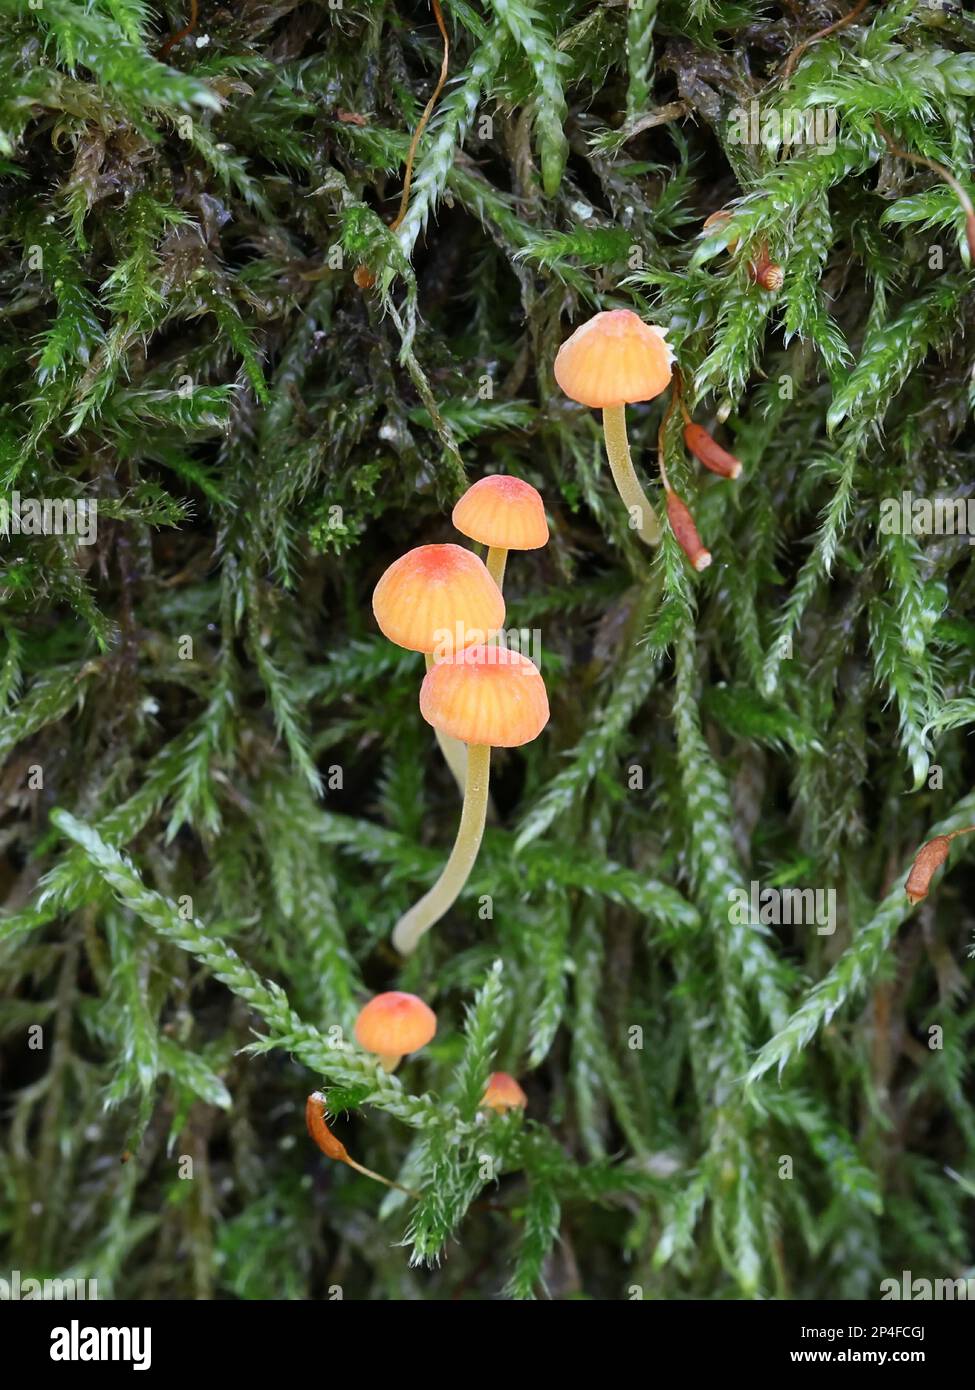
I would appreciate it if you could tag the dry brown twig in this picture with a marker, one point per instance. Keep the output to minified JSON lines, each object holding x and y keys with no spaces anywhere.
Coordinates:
{"x":363,"y":276}
{"x":176,"y":38}
{"x":789,"y":66}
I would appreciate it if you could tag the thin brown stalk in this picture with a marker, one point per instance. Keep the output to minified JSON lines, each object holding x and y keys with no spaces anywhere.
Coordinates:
{"x":834,"y":28}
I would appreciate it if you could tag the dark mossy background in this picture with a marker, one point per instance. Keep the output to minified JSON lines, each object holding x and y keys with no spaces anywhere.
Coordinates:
{"x":218,"y":793}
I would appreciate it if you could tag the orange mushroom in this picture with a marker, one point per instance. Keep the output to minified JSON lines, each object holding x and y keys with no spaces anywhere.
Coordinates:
{"x":435,"y":595}
{"x":764,"y":271}
{"x":503,"y":513}
{"x":610,"y":362}
{"x":487,"y":697}
{"x":503,"y":1094}
{"x":714,"y":223}
{"x":614,"y":359}
{"x":393,"y":1024}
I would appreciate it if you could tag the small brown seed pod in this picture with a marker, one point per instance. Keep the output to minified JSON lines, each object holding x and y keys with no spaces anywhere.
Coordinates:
{"x":765,"y":272}
{"x":685,"y":532}
{"x":319,"y":1130}
{"x":772,"y":277}
{"x":707,"y":451}
{"x":334,"y":1148}
{"x":928,"y":859}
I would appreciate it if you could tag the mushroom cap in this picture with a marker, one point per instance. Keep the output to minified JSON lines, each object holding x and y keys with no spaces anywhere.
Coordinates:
{"x":435,"y":595}
{"x":503,"y":1093}
{"x":395,"y":1023}
{"x":715,"y":222}
{"x":502,"y":511}
{"x":614,"y":359}
{"x":485,"y":695}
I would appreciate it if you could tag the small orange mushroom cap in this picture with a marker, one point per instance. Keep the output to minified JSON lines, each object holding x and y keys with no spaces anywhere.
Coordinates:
{"x":614,"y":359}
{"x":486,"y":695}
{"x":504,"y":512}
{"x":717,"y":219}
{"x":715,"y":222}
{"x":394,"y":1024}
{"x":503,"y":1093}
{"x":434,"y":593}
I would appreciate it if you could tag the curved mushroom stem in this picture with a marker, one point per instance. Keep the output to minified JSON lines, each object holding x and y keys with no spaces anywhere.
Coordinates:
{"x":627,"y":483}
{"x":497,"y":558}
{"x":441,"y":897}
{"x":454,"y":752}
{"x":389,"y":1061}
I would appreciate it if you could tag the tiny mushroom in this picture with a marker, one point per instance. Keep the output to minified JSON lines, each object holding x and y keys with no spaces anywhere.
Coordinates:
{"x":714,"y":223}
{"x":393,"y":1024}
{"x":435,"y":596}
{"x":615,"y":360}
{"x":503,"y":1094}
{"x":503,"y":513}
{"x":487,"y":697}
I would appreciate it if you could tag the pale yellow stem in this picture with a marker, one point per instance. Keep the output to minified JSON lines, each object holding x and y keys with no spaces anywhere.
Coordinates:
{"x":442,"y":896}
{"x":497,"y":557}
{"x":454,"y":752}
{"x":643,"y":518}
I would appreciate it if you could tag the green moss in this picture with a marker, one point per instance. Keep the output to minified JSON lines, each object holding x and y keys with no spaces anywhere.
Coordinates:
{"x":218,"y":793}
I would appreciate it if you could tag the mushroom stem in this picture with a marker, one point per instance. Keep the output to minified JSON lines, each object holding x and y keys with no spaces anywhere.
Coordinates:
{"x":497,"y":558}
{"x":454,"y":752}
{"x":441,"y":897}
{"x":627,"y":483}
{"x":389,"y":1061}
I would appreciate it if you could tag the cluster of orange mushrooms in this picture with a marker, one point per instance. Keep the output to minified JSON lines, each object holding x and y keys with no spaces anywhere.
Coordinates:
{"x":478,"y":693}
{"x":446,"y":602}
{"x":391,"y":1026}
